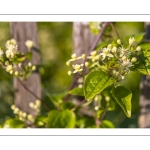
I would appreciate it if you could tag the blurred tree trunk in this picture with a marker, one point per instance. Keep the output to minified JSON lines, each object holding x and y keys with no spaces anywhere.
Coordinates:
{"x":83,"y":40}
{"x":22,"y":31}
{"x":144,"y":118}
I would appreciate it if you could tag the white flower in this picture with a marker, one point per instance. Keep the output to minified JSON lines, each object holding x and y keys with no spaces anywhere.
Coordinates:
{"x":94,"y":56}
{"x":77,"y":67}
{"x":124,"y":52}
{"x":127,"y":63}
{"x":9,"y":69}
{"x":11,"y":49}
{"x":105,"y":53}
{"x":29,"y":44}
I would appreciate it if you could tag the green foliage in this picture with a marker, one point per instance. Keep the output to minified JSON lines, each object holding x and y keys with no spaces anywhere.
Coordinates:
{"x":107,"y":124}
{"x":14,"y":123}
{"x":95,"y":82}
{"x":40,"y":121}
{"x":123,"y":97}
{"x":61,"y":119}
{"x":77,"y":91}
{"x":110,"y":63}
{"x":94,"y":27}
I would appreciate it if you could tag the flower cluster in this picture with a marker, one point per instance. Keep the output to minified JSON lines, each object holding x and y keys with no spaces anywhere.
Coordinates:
{"x":21,"y":115}
{"x":14,"y":61}
{"x":36,"y":106}
{"x":115,"y":59}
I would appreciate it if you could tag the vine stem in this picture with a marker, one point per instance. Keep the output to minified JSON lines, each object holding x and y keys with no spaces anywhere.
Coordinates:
{"x":25,"y":87}
{"x":92,"y":48}
{"x":113,"y":27}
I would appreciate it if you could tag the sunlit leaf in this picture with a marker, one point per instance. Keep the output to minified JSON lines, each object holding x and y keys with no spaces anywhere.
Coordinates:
{"x":77,"y":91}
{"x":61,"y":119}
{"x":123,"y":97}
{"x":14,"y":123}
{"x":107,"y":124}
{"x":95,"y":82}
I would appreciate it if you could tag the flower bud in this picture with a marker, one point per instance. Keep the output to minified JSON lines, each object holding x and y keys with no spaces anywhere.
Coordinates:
{"x":93,"y":53}
{"x":109,"y":46}
{"x":33,"y":68}
{"x":131,"y":40}
{"x":83,"y":56}
{"x":86,"y":64}
{"x":114,"y":49}
{"x":16,"y":73}
{"x":68,"y":63}
{"x":124,"y":58}
{"x":69,"y":73}
{"x":134,"y":59}
{"x":29,"y":44}
{"x":119,"y":41}
{"x":74,"y":56}
{"x":138,"y":48}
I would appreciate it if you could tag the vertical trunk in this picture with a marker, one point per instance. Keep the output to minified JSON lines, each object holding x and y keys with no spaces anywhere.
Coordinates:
{"x":144,"y":118}
{"x":83,"y":40}
{"x":22,"y":31}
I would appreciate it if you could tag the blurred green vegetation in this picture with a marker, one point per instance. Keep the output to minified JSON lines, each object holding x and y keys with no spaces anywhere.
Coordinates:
{"x":56,"y":44}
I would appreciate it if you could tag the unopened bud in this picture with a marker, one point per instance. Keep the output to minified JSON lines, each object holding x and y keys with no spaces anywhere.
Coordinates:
{"x":68,"y":63}
{"x":69,"y":73}
{"x":124,"y":58}
{"x":33,"y":68}
{"x":83,"y":56}
{"x":138,"y":48}
{"x":131,"y":40}
{"x":16,"y":73}
{"x":109,"y":46}
{"x":29,"y":44}
{"x":74,"y":56}
{"x":119,"y":41}
{"x":134,"y":59}
{"x":86,"y":64}
{"x":114,"y":49}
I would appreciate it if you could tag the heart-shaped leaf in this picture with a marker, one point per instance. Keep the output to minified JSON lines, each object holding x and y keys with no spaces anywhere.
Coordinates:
{"x":95,"y":82}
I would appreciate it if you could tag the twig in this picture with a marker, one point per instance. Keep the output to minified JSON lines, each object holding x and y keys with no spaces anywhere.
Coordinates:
{"x":33,"y":94}
{"x":113,"y":27}
{"x":73,"y":109}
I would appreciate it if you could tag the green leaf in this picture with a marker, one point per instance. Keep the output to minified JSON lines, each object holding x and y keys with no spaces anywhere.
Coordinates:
{"x":143,"y":60}
{"x":139,"y":37}
{"x":14,"y":123}
{"x":95,"y":82}
{"x":107,"y":124}
{"x":123,"y":97}
{"x":67,"y":105}
{"x":77,"y":91}
{"x":28,"y":55}
{"x":61,"y":119}
{"x":40,"y":120}
{"x":56,"y":98}
{"x":94,"y":27}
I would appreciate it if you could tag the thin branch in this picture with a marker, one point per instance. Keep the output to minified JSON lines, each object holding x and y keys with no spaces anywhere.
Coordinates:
{"x":113,"y":27}
{"x":33,"y":94}
{"x":92,"y":48}
{"x":73,"y":109}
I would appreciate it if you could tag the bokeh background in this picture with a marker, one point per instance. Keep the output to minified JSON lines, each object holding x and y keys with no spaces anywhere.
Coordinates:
{"x":56,"y":45}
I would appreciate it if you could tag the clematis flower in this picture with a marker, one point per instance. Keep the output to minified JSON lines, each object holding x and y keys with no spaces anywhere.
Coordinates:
{"x":105,"y":53}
